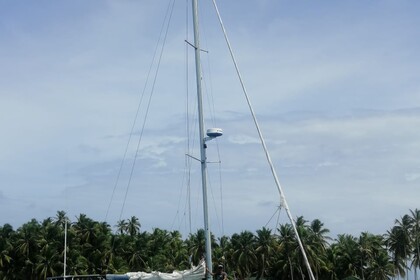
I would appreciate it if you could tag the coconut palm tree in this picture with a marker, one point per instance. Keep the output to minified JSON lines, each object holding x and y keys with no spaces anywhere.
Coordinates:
{"x":122,"y":226}
{"x":285,"y":264}
{"x":177,"y":251}
{"x":244,"y":254}
{"x":380,"y":267}
{"x":320,"y":233}
{"x":392,"y":238}
{"x":399,"y":243}
{"x":134,"y":251}
{"x":222,"y":252}
{"x":366,"y":245}
{"x":6,"y":251}
{"x":347,"y":256}
{"x":48,"y":262}
{"x":197,"y":245}
{"x":84,"y":229}
{"x":316,"y":245}
{"x":157,"y":244}
{"x":133,"y":226}
{"x":265,"y":246}
{"x":375,"y":262}
{"x":27,"y":248}
{"x":61,"y":218}
{"x":415,"y":237}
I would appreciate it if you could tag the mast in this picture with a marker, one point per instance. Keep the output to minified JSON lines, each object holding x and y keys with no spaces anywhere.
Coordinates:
{"x":65,"y":247}
{"x":203,"y":157}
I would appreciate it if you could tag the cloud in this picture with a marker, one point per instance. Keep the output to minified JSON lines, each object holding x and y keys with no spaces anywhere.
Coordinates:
{"x":412,"y":176}
{"x":326,"y":164}
{"x":243,"y":139}
{"x":157,"y":149}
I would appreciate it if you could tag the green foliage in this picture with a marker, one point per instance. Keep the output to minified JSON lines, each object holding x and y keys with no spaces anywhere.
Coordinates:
{"x":36,"y":250}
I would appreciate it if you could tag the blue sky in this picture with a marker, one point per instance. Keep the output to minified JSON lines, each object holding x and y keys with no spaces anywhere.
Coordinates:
{"x":335,"y":86}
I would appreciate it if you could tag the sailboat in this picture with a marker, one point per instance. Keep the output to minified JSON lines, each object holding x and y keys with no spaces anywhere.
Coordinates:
{"x":203,"y":270}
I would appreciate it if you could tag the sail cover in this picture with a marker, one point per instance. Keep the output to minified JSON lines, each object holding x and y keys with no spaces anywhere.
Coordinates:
{"x":195,"y":273}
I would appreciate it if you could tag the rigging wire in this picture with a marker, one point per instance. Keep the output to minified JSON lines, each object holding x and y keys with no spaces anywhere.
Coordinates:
{"x":273,"y":171}
{"x":133,"y":125}
{"x":147,"y":108}
{"x":192,"y":141}
{"x":167,"y":18}
{"x":278,"y":216}
{"x":187,"y":159}
{"x":164,"y":33}
{"x":186,"y":181}
{"x":186,"y":212}
{"x":210,"y":101}
{"x":278,"y":219}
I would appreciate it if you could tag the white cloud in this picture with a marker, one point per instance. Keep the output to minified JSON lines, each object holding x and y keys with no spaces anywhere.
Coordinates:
{"x":412,"y":176}
{"x":243,"y":139}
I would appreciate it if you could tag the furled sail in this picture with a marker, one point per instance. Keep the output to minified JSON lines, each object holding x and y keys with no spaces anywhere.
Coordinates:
{"x":195,"y":273}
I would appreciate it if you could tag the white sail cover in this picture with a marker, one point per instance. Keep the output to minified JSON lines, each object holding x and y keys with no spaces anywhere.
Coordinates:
{"x":195,"y":273}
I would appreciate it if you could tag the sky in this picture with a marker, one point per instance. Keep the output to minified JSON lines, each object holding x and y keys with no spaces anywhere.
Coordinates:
{"x":335,"y":86}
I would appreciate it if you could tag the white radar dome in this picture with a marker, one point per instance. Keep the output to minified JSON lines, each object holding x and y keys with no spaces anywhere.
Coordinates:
{"x":214,"y":132}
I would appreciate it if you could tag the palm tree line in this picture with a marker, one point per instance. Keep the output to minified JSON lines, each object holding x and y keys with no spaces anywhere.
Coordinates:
{"x":35,"y":250}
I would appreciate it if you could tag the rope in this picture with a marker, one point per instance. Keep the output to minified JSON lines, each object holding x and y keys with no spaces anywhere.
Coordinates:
{"x":273,"y":171}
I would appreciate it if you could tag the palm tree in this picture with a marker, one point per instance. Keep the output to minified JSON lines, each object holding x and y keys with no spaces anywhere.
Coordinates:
{"x":27,"y":248}
{"x":375,"y":262}
{"x":122,"y":226}
{"x":157,"y":247}
{"x":118,"y":249}
{"x":347,"y":256}
{"x":101,"y":243}
{"x":244,"y":253}
{"x":366,"y":247}
{"x":320,"y":233}
{"x":176,"y":252}
{"x":222,"y":252}
{"x":265,"y":246}
{"x":331,"y":272}
{"x":48,"y":262}
{"x":50,"y":240}
{"x":393,"y":244}
{"x":92,"y":242}
{"x":133,"y":226}
{"x":61,"y":218}
{"x":380,"y":267}
{"x":84,"y":229}
{"x":286,"y":264}
{"x":316,"y":245}
{"x":197,"y":245}
{"x":415,"y":237}
{"x":400,"y":245}
{"x":135,"y":251}
{"x":6,"y":250}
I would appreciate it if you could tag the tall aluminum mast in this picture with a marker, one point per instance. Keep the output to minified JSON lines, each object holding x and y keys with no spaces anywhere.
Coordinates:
{"x":203,"y":158}
{"x":65,"y":247}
